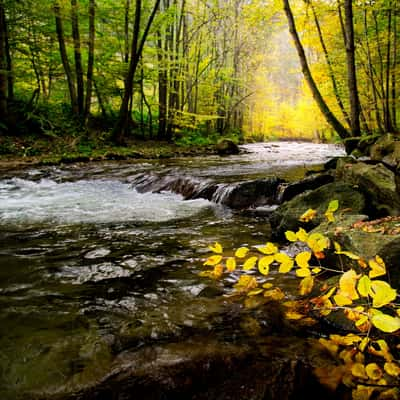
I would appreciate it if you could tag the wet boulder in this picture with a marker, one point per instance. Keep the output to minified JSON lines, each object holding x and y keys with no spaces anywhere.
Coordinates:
{"x":368,"y":239}
{"x":387,"y":150}
{"x":227,"y":147}
{"x":286,"y":217}
{"x":290,"y":190}
{"x":377,"y":182}
{"x":248,"y":194}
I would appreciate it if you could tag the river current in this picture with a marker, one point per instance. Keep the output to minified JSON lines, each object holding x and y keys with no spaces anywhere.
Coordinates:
{"x":90,"y":267}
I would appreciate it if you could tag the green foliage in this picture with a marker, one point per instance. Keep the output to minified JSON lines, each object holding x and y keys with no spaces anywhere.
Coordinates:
{"x":365,"y":362}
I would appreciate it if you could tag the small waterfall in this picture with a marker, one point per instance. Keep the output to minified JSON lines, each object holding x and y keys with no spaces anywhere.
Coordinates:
{"x":222,"y":193}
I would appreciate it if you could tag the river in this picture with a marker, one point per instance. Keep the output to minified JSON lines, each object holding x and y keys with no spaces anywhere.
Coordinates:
{"x":90,"y":267}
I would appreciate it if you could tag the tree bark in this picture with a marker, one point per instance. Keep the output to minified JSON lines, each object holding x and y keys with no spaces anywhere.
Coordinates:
{"x":64,"y":58}
{"x":394,"y":73}
{"x":330,"y":67}
{"x":122,"y":125}
{"x":329,"y":116}
{"x":387,"y":114}
{"x":78,"y":56}
{"x":89,"y":75}
{"x":3,"y":66}
{"x":351,"y":69}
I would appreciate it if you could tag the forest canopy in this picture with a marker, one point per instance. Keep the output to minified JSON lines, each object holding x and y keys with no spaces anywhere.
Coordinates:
{"x":166,"y":69}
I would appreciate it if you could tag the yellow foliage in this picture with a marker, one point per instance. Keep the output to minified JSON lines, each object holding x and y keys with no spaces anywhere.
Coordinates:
{"x":382,"y":293}
{"x":308,"y":215}
{"x":268,"y":249}
{"x":264,"y":263}
{"x":213,"y":260}
{"x":216,"y":248}
{"x":250,"y":263}
{"x":303,"y":258}
{"x":231,"y":264}
{"x":241,"y":252}
{"x":377,"y":266}
{"x":306,"y":285}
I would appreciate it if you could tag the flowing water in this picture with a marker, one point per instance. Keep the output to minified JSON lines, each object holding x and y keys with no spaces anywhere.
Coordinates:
{"x":90,"y":267}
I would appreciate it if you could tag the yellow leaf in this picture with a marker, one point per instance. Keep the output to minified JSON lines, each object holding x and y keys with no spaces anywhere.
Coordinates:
{"x":341,"y":300}
{"x":241,"y":252}
{"x":255,"y":292}
{"x":386,"y":323}
{"x":347,"y":340}
{"x":274,"y":294}
{"x":250,"y":263}
{"x":268,"y":249}
{"x":329,"y":216}
{"x":392,"y":368}
{"x":333,"y":206}
{"x":302,"y":235}
{"x":326,"y":308}
{"x":330,"y":377}
{"x":385,"y":350}
{"x":347,"y":285}
{"x":362,"y":392}
{"x":316,"y":270}
{"x":246,"y":283}
{"x":337,"y":246}
{"x":308,"y":215}
{"x":318,"y":242}
{"x":306,"y":285}
{"x":267,"y":285}
{"x":216,"y":273}
{"x":377,"y":266}
{"x":362,"y":320}
{"x":373,"y":371}
{"x":264,"y":263}
{"x":286,"y":263}
{"x":303,"y":258}
{"x":293,"y":315}
{"x":217,"y":248}
{"x":358,"y":370}
{"x":363,"y":344}
{"x":213,"y":260}
{"x":291,"y":236}
{"x":364,"y":286}
{"x":331,"y":346}
{"x":349,"y":254}
{"x":303,"y":272}
{"x":390,"y":394}
{"x":231,"y":264}
{"x":382,"y":293}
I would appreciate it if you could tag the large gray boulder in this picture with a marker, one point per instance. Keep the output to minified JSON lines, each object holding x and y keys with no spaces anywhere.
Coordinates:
{"x":286,"y":217}
{"x":377,"y":182}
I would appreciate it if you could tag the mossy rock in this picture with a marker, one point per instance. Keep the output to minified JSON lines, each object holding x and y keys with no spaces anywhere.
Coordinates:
{"x":286,"y":217}
{"x":227,"y":147}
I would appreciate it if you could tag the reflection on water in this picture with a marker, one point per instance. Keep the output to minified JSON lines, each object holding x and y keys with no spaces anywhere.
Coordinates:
{"x":90,"y":267}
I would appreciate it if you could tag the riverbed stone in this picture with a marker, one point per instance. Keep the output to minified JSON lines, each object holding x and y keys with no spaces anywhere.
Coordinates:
{"x":288,"y":191}
{"x":368,"y":239}
{"x":286,"y":217}
{"x":227,"y":147}
{"x":378,"y":184}
{"x":208,"y":369}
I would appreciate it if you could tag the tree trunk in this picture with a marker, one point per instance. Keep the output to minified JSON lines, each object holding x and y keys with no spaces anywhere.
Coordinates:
{"x":330,"y":67}
{"x":64,"y":58}
{"x":89,"y":76}
{"x":3,"y":66}
{"x":394,"y":72}
{"x":162,"y":89}
{"x":78,"y":56}
{"x":351,"y":69}
{"x":122,"y":125}
{"x":10,"y":75}
{"x":330,"y":118}
{"x":388,"y":119}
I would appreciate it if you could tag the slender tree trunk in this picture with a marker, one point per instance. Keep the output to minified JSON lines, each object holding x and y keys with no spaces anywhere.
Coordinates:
{"x":388,"y":119}
{"x":10,"y":74}
{"x":330,"y":118}
{"x":351,"y":69}
{"x":162,"y":89}
{"x":371,"y":73}
{"x":78,"y":56}
{"x":394,"y":71}
{"x":89,"y":76}
{"x":126,"y":31}
{"x":330,"y":67}
{"x":122,"y":126}
{"x":64,"y":58}
{"x":3,"y":66}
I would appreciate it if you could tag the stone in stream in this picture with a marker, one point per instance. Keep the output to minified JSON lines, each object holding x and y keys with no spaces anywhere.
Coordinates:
{"x":208,"y":369}
{"x":286,"y":217}
{"x":377,"y":182}
{"x":227,"y":147}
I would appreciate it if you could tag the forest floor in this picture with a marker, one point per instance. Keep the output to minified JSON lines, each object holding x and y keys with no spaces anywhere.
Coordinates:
{"x":33,"y":150}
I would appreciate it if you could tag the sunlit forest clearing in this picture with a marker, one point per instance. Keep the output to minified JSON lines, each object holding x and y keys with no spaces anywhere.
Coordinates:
{"x":193,"y":71}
